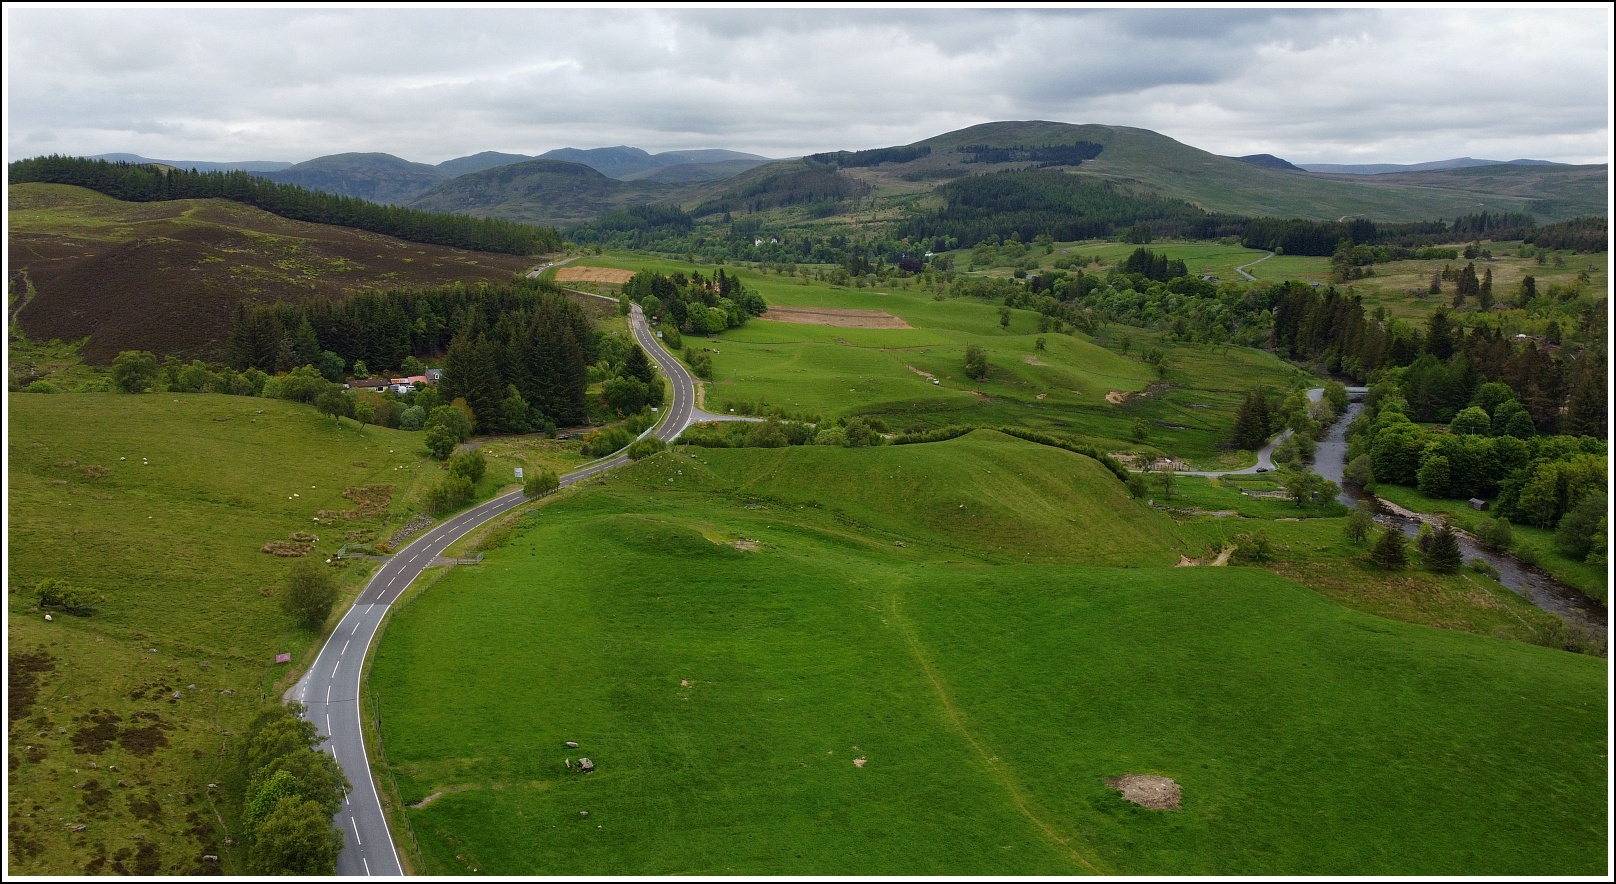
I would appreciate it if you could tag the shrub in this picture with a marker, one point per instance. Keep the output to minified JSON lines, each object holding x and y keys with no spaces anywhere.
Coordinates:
{"x":470,"y":464}
{"x":310,"y":594}
{"x":440,"y":442}
{"x":412,"y":418}
{"x":605,"y":441}
{"x":1358,"y":525}
{"x":645,"y":447}
{"x":1495,"y":533}
{"x":447,"y":494}
{"x":541,"y":483}
{"x":1251,"y":549}
{"x":56,"y":592}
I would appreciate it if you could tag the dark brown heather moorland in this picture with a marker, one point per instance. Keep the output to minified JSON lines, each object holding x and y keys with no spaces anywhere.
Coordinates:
{"x":167,"y":276}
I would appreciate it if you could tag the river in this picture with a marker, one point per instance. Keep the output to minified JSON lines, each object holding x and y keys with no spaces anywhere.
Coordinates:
{"x":1576,"y":609}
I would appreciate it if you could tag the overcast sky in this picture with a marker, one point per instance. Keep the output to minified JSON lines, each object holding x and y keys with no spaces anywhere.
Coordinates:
{"x":1362,"y":85}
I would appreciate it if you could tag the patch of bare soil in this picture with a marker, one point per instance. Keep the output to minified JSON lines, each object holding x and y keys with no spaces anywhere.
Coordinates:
{"x":1116,"y":397}
{"x":1032,"y":360}
{"x":840,"y":318}
{"x":24,"y":670}
{"x":748,"y":545}
{"x":427,"y":800}
{"x":594,"y":274}
{"x":925,"y":374}
{"x":1148,"y":790}
{"x":981,"y":396}
{"x":1185,"y":561}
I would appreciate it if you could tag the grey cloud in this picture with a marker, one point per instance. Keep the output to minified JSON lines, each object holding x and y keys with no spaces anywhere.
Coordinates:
{"x":435,"y":83}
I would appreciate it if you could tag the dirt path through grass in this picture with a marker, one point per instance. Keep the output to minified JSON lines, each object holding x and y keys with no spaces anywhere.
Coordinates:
{"x":957,"y":719}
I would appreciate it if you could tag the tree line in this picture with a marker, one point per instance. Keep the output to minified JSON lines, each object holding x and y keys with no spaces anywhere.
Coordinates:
{"x":855,"y":159}
{"x":147,"y":183}
{"x":1052,"y":203}
{"x":1051,"y":155}
{"x":525,"y":338}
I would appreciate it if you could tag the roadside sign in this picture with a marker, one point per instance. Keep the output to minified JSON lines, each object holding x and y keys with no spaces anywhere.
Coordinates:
{"x":518,"y":472}
{"x":283,"y":658}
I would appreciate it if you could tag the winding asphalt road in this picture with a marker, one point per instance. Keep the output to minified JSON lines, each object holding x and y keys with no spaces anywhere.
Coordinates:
{"x":1265,"y":457}
{"x":330,"y":690}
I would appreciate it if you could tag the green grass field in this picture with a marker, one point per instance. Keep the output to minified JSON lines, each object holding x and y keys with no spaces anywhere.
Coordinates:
{"x":833,"y":372}
{"x":161,"y":502}
{"x":926,"y":660}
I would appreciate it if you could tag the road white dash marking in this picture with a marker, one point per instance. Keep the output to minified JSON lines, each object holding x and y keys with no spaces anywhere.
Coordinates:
{"x":328,"y":715}
{"x":328,"y":700}
{"x":344,"y":649}
{"x":356,"y":837}
{"x":367,"y":865}
{"x":334,"y":670}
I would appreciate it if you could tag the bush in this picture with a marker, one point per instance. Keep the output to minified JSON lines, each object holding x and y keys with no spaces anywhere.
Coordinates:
{"x":1251,"y":549}
{"x":1495,"y":534}
{"x":645,"y":447}
{"x":470,"y":464}
{"x":440,"y":442}
{"x":447,"y":494}
{"x":541,"y":483}
{"x":605,"y":441}
{"x":1575,"y":534}
{"x":311,"y":592}
{"x":412,"y":418}
{"x":56,"y":592}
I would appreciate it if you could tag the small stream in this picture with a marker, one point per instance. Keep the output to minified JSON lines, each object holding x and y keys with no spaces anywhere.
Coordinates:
{"x":1329,"y":460}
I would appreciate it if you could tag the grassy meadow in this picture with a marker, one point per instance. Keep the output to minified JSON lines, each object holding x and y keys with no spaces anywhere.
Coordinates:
{"x":119,"y":720}
{"x":834,"y":372}
{"x":927,"y":659}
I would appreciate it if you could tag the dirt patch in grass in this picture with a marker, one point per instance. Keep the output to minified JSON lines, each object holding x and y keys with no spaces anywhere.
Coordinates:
{"x":840,"y":318}
{"x":924,"y":374}
{"x":97,"y":730}
{"x":145,"y":740}
{"x":147,"y":807}
{"x":372,"y":500}
{"x":594,"y":274}
{"x":427,"y":800}
{"x":286,"y":549}
{"x":748,"y":545}
{"x":1116,"y":397}
{"x":1148,"y":790}
{"x":23,"y":671}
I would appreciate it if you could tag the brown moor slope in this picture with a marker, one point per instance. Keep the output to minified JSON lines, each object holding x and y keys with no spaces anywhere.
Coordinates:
{"x":167,"y":276}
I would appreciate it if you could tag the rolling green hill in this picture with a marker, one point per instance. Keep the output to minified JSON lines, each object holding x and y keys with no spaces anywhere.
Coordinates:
{"x":118,"y":721}
{"x":901,"y":661}
{"x":1155,"y":162}
{"x":538,"y":192}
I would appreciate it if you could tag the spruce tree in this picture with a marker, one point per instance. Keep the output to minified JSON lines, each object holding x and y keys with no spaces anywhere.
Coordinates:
{"x":1444,"y":556}
{"x":1390,"y":551}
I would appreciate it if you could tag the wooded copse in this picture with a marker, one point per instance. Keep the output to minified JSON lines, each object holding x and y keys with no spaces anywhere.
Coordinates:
{"x":694,"y":303}
{"x":147,"y":183}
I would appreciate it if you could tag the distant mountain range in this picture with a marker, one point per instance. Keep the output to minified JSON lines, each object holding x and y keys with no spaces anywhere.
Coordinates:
{"x":571,"y":185}
{"x":1437,"y":166}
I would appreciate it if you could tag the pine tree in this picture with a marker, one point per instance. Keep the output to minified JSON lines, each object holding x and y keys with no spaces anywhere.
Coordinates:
{"x":1444,"y":556}
{"x":1390,"y":551}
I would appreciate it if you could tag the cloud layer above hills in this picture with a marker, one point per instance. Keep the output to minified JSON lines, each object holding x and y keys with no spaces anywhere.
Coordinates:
{"x":1360,"y":85}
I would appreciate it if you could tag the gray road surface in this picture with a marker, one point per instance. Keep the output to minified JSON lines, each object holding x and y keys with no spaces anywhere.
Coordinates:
{"x":331,"y":688}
